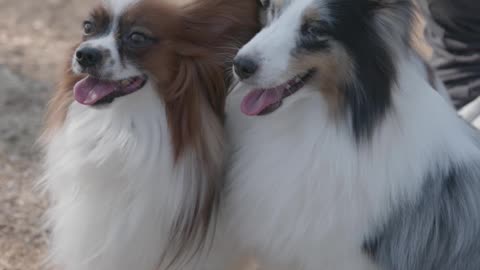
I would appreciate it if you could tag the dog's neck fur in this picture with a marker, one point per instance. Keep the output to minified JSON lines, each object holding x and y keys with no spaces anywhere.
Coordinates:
{"x":118,"y":188}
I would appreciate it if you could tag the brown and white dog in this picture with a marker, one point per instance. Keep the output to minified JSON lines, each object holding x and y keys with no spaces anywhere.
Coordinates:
{"x":134,"y":137}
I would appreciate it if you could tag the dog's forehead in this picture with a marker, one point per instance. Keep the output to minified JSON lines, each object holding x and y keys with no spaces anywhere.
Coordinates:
{"x":118,"y":7}
{"x":312,"y":10}
{"x":302,"y":7}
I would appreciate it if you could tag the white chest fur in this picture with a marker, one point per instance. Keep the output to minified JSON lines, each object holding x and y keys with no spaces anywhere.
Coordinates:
{"x":113,"y":185}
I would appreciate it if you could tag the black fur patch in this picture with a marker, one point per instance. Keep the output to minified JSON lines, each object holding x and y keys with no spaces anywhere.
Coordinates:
{"x":123,"y":27}
{"x":370,"y":246}
{"x":368,"y":96}
{"x":125,"y":46}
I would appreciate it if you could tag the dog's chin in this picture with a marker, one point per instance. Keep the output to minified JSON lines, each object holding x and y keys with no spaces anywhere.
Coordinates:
{"x":97,"y":91}
{"x":262,"y":101}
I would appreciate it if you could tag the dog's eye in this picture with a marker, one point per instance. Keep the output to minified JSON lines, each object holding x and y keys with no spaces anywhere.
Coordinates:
{"x":139,"y":40}
{"x":88,"y":28}
{"x":315,"y":29}
{"x":314,"y":36}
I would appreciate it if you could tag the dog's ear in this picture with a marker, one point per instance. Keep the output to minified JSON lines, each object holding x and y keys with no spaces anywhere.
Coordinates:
{"x":393,"y":19}
{"x":198,"y":85}
{"x":195,"y":107}
{"x":216,"y":18}
{"x":60,"y":101}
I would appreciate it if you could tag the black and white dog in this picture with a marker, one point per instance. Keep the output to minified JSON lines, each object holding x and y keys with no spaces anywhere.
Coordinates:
{"x":343,"y":156}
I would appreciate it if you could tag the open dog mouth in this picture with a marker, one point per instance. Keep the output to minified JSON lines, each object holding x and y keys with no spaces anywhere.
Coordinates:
{"x":94,"y":91}
{"x":267,"y":100}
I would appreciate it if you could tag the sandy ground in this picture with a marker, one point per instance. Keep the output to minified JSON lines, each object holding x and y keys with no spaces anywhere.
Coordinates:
{"x":35,"y":36}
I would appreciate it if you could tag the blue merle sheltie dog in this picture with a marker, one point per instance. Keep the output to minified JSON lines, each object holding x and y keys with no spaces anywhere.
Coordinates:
{"x":343,"y":157}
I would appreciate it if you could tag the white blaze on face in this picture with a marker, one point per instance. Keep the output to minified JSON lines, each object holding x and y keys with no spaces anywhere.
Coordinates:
{"x":118,"y":7}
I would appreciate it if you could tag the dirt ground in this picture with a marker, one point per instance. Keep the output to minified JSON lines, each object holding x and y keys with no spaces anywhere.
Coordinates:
{"x":34,"y":38}
{"x":36,"y":34}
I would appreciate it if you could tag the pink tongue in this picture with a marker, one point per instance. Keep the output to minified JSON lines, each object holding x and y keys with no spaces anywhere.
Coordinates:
{"x":258,"y":100}
{"x":90,"y":90}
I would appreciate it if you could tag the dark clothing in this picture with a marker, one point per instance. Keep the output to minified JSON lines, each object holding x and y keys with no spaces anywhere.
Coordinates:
{"x":453,"y":30}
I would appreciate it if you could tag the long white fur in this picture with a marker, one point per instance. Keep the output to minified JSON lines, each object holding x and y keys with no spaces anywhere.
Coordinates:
{"x":114,"y":185}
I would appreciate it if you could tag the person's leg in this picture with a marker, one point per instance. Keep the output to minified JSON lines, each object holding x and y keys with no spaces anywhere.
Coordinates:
{"x":453,"y":31}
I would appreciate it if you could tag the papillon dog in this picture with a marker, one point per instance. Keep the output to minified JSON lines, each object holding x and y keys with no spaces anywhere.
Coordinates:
{"x":343,"y":157}
{"x":134,"y":139}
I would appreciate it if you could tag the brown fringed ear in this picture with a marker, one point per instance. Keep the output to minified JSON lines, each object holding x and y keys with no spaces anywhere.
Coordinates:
{"x":212,"y":32}
{"x":59,"y":102}
{"x":219,"y":22}
{"x":195,"y":110}
{"x":206,"y":17}
{"x":394,"y":20}
{"x":195,"y":80}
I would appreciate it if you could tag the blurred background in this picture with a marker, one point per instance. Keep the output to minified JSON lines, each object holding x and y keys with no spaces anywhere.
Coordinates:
{"x":34,"y":38}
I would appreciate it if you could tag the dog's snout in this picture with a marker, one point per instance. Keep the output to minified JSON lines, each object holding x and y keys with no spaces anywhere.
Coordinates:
{"x":245,"y":67}
{"x":88,"y":57}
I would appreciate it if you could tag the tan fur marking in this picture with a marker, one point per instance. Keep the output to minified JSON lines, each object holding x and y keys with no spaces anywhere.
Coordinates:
{"x":333,"y":68}
{"x":311,"y":14}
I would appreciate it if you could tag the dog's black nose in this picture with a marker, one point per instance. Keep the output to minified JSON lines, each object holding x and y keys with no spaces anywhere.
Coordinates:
{"x":88,"y":57}
{"x":245,"y":67}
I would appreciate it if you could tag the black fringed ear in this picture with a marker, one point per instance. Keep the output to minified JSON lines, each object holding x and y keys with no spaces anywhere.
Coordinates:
{"x":369,"y":30}
{"x":394,"y":19}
